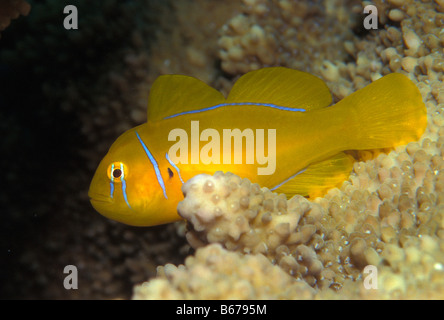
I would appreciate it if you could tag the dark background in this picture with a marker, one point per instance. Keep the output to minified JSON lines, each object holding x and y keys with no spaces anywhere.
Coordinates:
{"x":52,"y":137}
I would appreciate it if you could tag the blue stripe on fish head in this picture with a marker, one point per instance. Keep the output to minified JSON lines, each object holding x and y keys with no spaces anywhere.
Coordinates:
{"x":154,"y":164}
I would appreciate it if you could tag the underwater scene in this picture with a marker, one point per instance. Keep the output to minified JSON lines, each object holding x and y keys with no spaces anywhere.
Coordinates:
{"x":222,"y":149}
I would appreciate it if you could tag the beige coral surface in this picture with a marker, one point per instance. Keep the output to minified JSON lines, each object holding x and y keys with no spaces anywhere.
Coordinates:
{"x":389,"y":213}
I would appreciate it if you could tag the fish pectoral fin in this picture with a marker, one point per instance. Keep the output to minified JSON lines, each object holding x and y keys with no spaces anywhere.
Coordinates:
{"x":283,"y":87}
{"x":319,"y":177}
{"x":174,"y":94}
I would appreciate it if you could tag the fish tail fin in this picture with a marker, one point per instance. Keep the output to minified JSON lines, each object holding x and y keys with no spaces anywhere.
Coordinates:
{"x":387,"y":113}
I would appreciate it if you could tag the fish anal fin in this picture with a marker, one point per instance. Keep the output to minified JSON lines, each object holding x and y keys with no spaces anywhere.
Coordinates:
{"x":174,"y":94}
{"x":319,"y":177}
{"x":281,"y":86}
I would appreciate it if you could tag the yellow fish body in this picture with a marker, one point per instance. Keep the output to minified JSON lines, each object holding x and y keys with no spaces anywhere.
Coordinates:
{"x":274,"y":128}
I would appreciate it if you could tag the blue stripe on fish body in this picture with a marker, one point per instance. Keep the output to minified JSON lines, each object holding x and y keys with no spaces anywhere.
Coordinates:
{"x":174,"y":166}
{"x":112,"y":182}
{"x":155,"y":165}
{"x":288,"y":179}
{"x":237,"y":104}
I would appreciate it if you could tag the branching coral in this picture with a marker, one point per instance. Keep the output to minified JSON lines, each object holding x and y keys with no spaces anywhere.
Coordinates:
{"x":12,"y":9}
{"x":328,"y":241}
{"x":226,"y":209}
{"x":215,"y":273}
{"x":414,"y":47}
{"x":296,"y":34}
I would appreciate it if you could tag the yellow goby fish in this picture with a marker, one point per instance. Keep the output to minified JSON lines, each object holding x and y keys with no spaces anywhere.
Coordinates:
{"x":275,"y":128}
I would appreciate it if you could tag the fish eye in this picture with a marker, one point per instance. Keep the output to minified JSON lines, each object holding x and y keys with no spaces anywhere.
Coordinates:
{"x":116,"y":171}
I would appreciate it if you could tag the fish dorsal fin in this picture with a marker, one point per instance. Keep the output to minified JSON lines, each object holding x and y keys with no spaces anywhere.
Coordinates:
{"x":174,"y":94}
{"x":283,"y":87}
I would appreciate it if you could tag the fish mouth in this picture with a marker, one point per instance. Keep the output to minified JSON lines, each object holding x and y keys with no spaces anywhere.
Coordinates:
{"x":99,"y":198}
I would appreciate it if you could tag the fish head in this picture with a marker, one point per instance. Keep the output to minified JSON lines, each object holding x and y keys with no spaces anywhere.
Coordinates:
{"x":124,"y":187}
